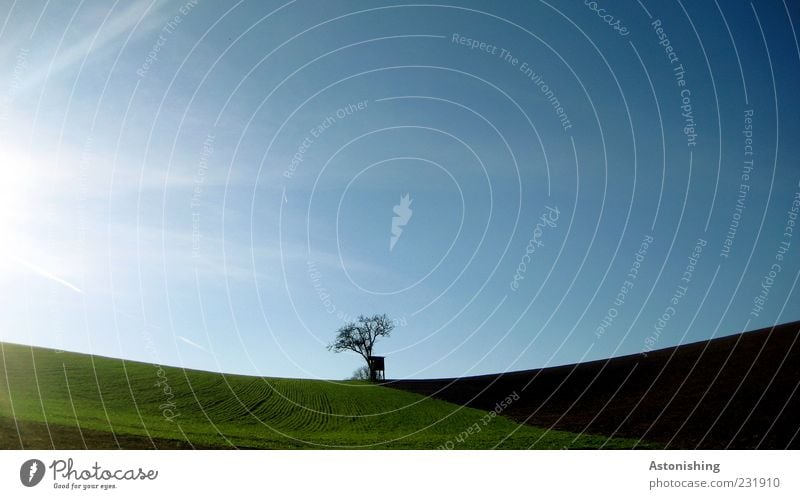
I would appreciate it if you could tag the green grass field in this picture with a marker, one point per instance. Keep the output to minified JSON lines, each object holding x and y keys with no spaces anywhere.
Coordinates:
{"x":73,"y":400}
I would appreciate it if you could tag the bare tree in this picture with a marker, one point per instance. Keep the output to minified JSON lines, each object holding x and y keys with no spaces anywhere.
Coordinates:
{"x":360,"y":374}
{"x":360,"y":337}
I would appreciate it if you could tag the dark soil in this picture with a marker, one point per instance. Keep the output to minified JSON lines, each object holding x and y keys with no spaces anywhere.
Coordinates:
{"x":740,"y":392}
{"x":35,"y":435}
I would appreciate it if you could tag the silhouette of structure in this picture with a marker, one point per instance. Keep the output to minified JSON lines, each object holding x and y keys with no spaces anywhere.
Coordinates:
{"x":376,"y":368}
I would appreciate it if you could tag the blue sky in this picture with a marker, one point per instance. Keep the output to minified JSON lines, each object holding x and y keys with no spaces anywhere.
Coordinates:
{"x":213,"y":185}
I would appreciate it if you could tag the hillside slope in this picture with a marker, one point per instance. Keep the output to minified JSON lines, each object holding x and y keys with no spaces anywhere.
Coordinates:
{"x":739,"y":391}
{"x":52,"y":399}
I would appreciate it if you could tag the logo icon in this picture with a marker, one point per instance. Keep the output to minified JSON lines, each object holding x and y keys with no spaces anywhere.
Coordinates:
{"x":31,"y":472}
{"x":403,"y":212}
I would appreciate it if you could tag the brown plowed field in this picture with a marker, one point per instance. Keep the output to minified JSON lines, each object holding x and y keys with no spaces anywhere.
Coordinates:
{"x":740,"y":391}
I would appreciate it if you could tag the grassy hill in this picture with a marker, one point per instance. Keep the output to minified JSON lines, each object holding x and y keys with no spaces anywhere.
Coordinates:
{"x":51,"y":399}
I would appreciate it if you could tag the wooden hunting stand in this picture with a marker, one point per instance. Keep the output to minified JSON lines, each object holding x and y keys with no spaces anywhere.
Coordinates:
{"x":376,"y":368}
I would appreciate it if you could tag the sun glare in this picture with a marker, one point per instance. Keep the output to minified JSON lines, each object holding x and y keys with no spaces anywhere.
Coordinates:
{"x":20,"y":251}
{"x":17,"y":217}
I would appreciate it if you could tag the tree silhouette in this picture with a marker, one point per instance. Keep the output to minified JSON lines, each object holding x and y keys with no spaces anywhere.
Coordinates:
{"x":360,"y":337}
{"x":360,"y":374}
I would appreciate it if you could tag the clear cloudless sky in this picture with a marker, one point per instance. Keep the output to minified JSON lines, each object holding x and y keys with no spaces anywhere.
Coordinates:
{"x":214,"y":184}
